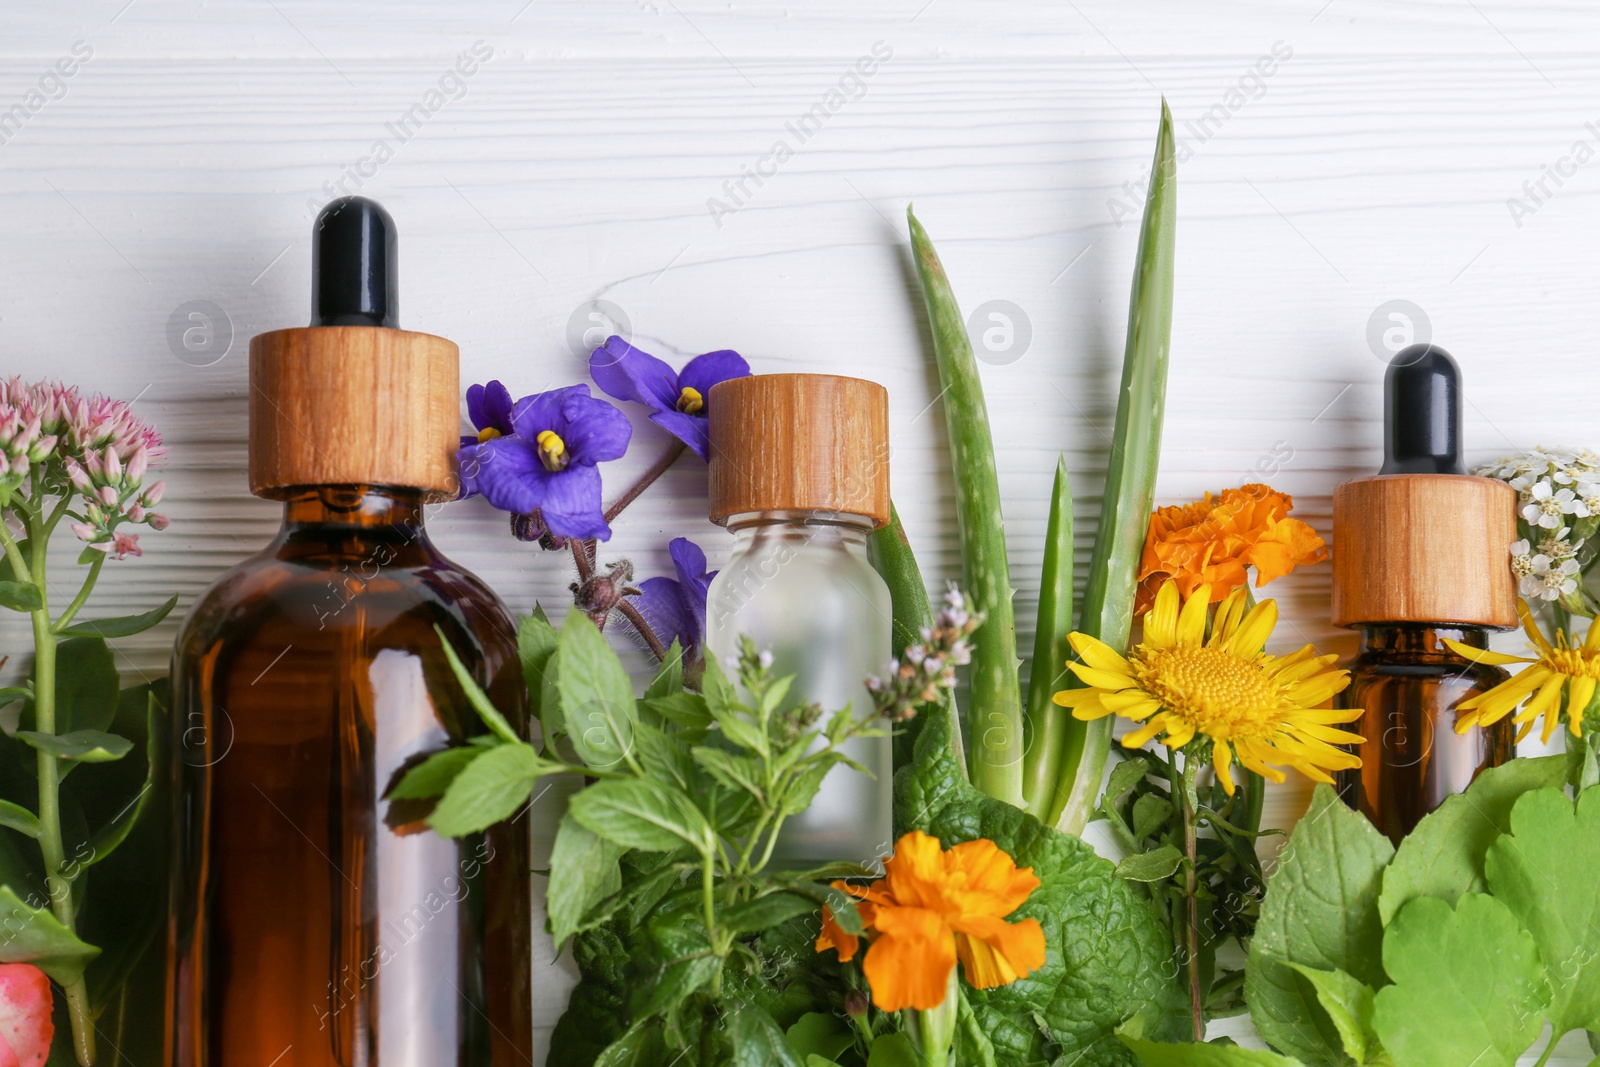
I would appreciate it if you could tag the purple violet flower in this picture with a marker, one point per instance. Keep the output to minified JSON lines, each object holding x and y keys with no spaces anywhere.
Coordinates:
{"x":678,"y":399}
{"x":676,"y":608}
{"x":489,"y":408}
{"x":547,"y":460}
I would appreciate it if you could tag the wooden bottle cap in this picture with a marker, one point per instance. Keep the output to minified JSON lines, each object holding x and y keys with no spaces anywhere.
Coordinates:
{"x":353,"y":405}
{"x":799,"y":442}
{"x":1424,"y":548}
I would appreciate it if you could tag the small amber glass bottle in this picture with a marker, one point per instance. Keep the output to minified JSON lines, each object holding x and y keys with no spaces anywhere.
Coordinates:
{"x":1421,"y":554}
{"x":314,"y":922}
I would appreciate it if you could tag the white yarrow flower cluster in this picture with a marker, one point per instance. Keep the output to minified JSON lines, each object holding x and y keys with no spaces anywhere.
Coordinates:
{"x":1558,"y":503}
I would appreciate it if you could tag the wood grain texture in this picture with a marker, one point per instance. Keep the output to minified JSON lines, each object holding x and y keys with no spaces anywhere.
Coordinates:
{"x":1429,"y":548}
{"x":185,"y":159}
{"x":799,"y":442}
{"x":353,"y":405}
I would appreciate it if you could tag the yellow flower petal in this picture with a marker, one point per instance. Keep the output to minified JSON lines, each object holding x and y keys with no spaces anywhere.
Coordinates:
{"x":1192,"y":619}
{"x":1096,"y":653}
{"x":1100,"y":679}
{"x":1161,"y":621}
{"x":1251,"y":637}
{"x":1483,"y":655}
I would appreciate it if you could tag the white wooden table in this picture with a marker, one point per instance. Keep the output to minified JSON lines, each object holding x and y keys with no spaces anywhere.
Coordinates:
{"x":1342,"y":155}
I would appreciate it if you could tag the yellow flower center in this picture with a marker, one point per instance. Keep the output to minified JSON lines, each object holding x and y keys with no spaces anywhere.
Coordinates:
{"x":1573,"y":662}
{"x":552,"y":450}
{"x":1220,"y":694}
{"x":488,"y":433}
{"x":690,"y":400}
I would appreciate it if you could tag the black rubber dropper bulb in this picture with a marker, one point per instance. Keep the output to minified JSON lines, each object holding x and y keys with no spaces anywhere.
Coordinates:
{"x":1422,"y":413}
{"x":354,"y":265}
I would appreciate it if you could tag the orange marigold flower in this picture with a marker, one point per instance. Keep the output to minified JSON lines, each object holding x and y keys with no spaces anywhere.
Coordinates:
{"x":932,"y":907}
{"x":1216,"y":540}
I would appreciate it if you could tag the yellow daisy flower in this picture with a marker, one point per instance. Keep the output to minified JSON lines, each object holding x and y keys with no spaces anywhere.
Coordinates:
{"x":1261,"y":709}
{"x":1563,"y":665}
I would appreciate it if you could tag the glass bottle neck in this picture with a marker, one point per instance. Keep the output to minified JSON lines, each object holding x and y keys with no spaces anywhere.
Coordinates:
{"x":818,"y":527}
{"x":1420,"y":639}
{"x":355,"y":508}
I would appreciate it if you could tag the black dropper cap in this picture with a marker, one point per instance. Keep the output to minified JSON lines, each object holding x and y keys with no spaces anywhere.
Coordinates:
{"x":1422,"y":413}
{"x":354,"y":265}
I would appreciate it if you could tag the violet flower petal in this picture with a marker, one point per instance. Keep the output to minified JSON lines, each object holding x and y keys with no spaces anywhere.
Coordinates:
{"x":595,"y":430}
{"x":702,"y":372}
{"x":489,"y":406}
{"x":532,"y":415}
{"x":664,"y":607}
{"x":689,"y":560}
{"x":509,"y":474}
{"x":627,"y":373}
{"x":692,"y":431}
{"x":570,"y":503}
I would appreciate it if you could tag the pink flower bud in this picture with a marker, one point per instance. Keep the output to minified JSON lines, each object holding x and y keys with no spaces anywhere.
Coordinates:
{"x":158,"y":521}
{"x":109,"y":496}
{"x":137,"y":464}
{"x":84,"y":531}
{"x":113,"y":465}
{"x":77,"y":475}
{"x":42,"y":448}
{"x":136,"y":513}
{"x":19,"y":465}
{"x":152,"y":495}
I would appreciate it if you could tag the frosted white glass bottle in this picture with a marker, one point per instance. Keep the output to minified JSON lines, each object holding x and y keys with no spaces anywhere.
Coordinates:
{"x":799,"y":474}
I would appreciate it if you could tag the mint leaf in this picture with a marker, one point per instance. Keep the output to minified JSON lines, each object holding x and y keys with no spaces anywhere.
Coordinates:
{"x":641,"y":813}
{"x":1320,"y":911}
{"x":1108,"y":957}
{"x":1468,"y":986}
{"x":820,"y":1034}
{"x":1443,"y":856}
{"x":433,"y":775}
{"x":536,"y":643}
{"x":489,"y":790}
{"x":1547,"y":871}
{"x":640,"y":1046}
{"x":1348,"y":1002}
{"x":669,"y":676}
{"x":491,"y":716}
{"x":596,"y":695}
{"x":1155,"y":1054}
{"x":1153,"y":866}
{"x":583,"y":872}
{"x":34,"y":935}
{"x":757,"y":1041}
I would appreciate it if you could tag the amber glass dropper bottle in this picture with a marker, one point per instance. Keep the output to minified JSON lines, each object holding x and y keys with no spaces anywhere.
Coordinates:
{"x":315,"y":923}
{"x":1420,"y":554}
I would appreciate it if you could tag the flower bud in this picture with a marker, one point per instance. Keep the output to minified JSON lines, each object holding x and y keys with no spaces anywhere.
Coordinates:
{"x":158,"y":521}
{"x":137,"y":464}
{"x":152,"y":495}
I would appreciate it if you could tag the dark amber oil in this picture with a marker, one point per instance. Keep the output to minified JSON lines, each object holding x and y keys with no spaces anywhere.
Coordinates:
{"x":1408,"y":683}
{"x":315,"y":923}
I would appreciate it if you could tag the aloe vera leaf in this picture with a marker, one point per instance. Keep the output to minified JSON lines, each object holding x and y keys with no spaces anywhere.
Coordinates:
{"x":996,"y":694}
{"x":1047,"y":723}
{"x":890,"y":552}
{"x":1130,"y":478}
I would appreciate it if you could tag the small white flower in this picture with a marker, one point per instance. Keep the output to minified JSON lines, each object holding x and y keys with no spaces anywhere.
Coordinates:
{"x":1521,"y":559}
{"x":1550,"y":578}
{"x":1546,"y":506}
{"x":1556,"y":545}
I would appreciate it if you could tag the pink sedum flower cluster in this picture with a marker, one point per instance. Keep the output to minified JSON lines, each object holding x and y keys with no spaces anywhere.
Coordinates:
{"x":94,"y":447}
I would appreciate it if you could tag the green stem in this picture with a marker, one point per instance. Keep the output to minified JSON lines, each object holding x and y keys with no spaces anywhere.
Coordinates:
{"x":996,"y":718}
{"x":1549,"y":1049}
{"x":1190,"y":897}
{"x":83,"y":594}
{"x":58,"y":885}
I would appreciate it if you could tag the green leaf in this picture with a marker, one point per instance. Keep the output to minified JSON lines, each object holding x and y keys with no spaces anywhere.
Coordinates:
{"x":997,"y":752}
{"x":86,"y":686}
{"x":1547,"y":871}
{"x":641,"y":813}
{"x":596,"y":695}
{"x":1443,"y":856}
{"x":488,"y":790}
{"x":12,"y":693}
{"x":583,"y":872}
{"x":433,"y":776}
{"x":1047,"y":671}
{"x":1468,"y":986}
{"x":1155,"y":1054}
{"x":110,"y":836}
{"x":82,"y":746}
{"x":1154,"y":866}
{"x":479,"y":700}
{"x":735,"y":772}
{"x":684,"y":709}
{"x":893,"y":1050}
{"x":766,"y":911}
{"x":757,"y":1041}
{"x":1320,"y":911}
{"x":123,"y":625}
{"x":819,"y":1035}
{"x":669,"y":676}
{"x":890,"y":552}
{"x":731,"y":716}
{"x":1109,"y":591}
{"x":972,"y":1046}
{"x":33,"y":935}
{"x":536,"y":643}
{"x":1348,"y":1002}
{"x":19,"y":819}
{"x":1108,"y":957}
{"x":640,"y":1046}
{"x":20,"y":596}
